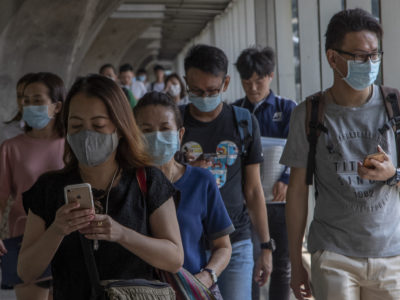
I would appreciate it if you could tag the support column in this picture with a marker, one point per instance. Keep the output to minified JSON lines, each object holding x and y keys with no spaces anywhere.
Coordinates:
{"x":327,"y":8}
{"x":310,"y":64}
{"x":364,"y":4}
{"x":391,"y":42}
{"x":285,"y":71}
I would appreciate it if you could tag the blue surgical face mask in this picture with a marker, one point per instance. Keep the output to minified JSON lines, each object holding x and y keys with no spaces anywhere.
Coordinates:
{"x":162,"y":145}
{"x":142,"y":78}
{"x":92,"y":148}
{"x":361,"y":75}
{"x":36,"y":116}
{"x":205,"y":104}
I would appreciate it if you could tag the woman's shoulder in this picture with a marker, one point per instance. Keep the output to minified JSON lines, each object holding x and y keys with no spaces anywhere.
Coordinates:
{"x":14,"y":141}
{"x":153,"y":172}
{"x":55,"y":178}
{"x":198,"y":173}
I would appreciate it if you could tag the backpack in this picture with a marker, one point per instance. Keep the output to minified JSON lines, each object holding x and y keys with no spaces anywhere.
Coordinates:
{"x":315,"y":123}
{"x":244,"y":125}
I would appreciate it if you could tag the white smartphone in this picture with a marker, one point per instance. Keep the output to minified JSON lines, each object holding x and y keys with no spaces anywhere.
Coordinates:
{"x":81,"y":193}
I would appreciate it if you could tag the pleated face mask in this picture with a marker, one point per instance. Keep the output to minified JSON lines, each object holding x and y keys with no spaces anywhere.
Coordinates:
{"x":162,"y":145}
{"x":92,"y":148}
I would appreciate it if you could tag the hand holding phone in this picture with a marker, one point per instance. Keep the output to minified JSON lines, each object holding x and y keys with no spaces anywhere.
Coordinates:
{"x":81,"y":193}
{"x":208,"y":156}
{"x":379,"y":156}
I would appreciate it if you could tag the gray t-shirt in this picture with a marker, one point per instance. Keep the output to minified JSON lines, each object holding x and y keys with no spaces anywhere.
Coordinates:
{"x":352,"y":216}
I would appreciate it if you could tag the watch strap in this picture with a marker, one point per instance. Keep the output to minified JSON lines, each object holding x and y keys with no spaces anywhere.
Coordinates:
{"x":395,"y":179}
{"x":214,"y":276}
{"x":270,"y":245}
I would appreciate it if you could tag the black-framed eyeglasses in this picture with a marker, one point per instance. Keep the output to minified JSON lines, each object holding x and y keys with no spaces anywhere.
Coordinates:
{"x":361,"y":58}
{"x":204,"y":94}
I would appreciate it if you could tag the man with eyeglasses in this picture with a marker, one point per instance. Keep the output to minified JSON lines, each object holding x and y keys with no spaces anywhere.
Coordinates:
{"x":212,"y":141}
{"x":354,"y":237}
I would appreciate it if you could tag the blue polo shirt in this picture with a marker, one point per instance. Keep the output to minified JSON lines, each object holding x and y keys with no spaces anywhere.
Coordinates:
{"x":273,"y":115}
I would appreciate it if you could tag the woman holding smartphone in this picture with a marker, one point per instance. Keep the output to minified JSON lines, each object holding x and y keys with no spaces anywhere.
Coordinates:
{"x":25,"y":157}
{"x":201,"y":212}
{"x":129,"y":233}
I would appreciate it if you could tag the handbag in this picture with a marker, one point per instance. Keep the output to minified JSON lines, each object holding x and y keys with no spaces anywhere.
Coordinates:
{"x":184,"y":283}
{"x":129,"y":289}
{"x":9,"y":261}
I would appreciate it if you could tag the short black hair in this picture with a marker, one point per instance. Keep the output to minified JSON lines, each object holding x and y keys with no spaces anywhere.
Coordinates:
{"x":255,"y":60}
{"x":350,"y":20}
{"x":125,"y":68}
{"x":141,"y":71}
{"x":158,"y":98}
{"x":158,"y":67}
{"x":208,"y":59}
{"x":106,"y":66}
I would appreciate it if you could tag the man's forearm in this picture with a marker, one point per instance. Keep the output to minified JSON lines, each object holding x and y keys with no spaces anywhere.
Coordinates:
{"x":258,"y":215}
{"x":296,"y":214}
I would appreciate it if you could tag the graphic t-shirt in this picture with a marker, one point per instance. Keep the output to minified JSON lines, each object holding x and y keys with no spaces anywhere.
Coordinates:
{"x":220,"y":140}
{"x":201,"y":214}
{"x":352,"y":216}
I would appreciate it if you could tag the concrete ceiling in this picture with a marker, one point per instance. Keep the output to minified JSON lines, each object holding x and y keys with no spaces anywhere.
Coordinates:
{"x":176,"y":23}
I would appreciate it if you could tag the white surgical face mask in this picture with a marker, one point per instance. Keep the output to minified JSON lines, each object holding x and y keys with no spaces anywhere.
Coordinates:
{"x":360,"y":75}
{"x":162,"y":145}
{"x":174,"y":90}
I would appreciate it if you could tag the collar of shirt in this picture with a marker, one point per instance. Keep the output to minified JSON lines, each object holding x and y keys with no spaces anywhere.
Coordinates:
{"x":268,"y":100}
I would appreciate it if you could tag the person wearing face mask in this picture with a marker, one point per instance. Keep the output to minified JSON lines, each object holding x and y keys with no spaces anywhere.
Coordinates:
{"x":25,"y":157}
{"x":256,"y":69}
{"x":354,"y":238}
{"x":175,"y":88}
{"x":16,"y":125}
{"x":211,"y":130}
{"x":201,"y":212}
{"x":129,"y":232}
{"x":108,"y":70}
{"x":128,"y":80}
{"x":141,"y":76}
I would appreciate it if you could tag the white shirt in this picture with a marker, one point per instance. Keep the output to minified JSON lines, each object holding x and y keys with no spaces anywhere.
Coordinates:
{"x":138,"y":89}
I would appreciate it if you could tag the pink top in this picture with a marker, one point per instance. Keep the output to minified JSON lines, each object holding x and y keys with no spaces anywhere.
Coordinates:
{"x":22,"y":160}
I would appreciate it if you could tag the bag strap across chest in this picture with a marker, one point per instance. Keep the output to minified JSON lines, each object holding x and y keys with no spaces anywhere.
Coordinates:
{"x":315,"y":112}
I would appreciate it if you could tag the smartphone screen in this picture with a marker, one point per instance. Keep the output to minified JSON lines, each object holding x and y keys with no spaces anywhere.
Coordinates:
{"x":81,"y":193}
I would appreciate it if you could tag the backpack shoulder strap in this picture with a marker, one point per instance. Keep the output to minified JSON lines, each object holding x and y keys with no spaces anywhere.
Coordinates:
{"x":182,"y":109}
{"x":141,"y":178}
{"x":391,"y":99}
{"x":244,"y":126}
{"x":314,"y":125}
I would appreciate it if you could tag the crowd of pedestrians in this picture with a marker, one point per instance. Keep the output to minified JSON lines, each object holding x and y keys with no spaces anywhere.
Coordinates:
{"x":170,"y":177}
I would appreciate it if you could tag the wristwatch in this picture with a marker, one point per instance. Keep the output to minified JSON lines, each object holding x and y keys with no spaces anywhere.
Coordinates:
{"x":395,"y":179}
{"x":270,"y":245}
{"x":214,"y":276}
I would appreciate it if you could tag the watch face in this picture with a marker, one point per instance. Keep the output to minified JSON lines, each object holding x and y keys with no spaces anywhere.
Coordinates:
{"x":273,"y":244}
